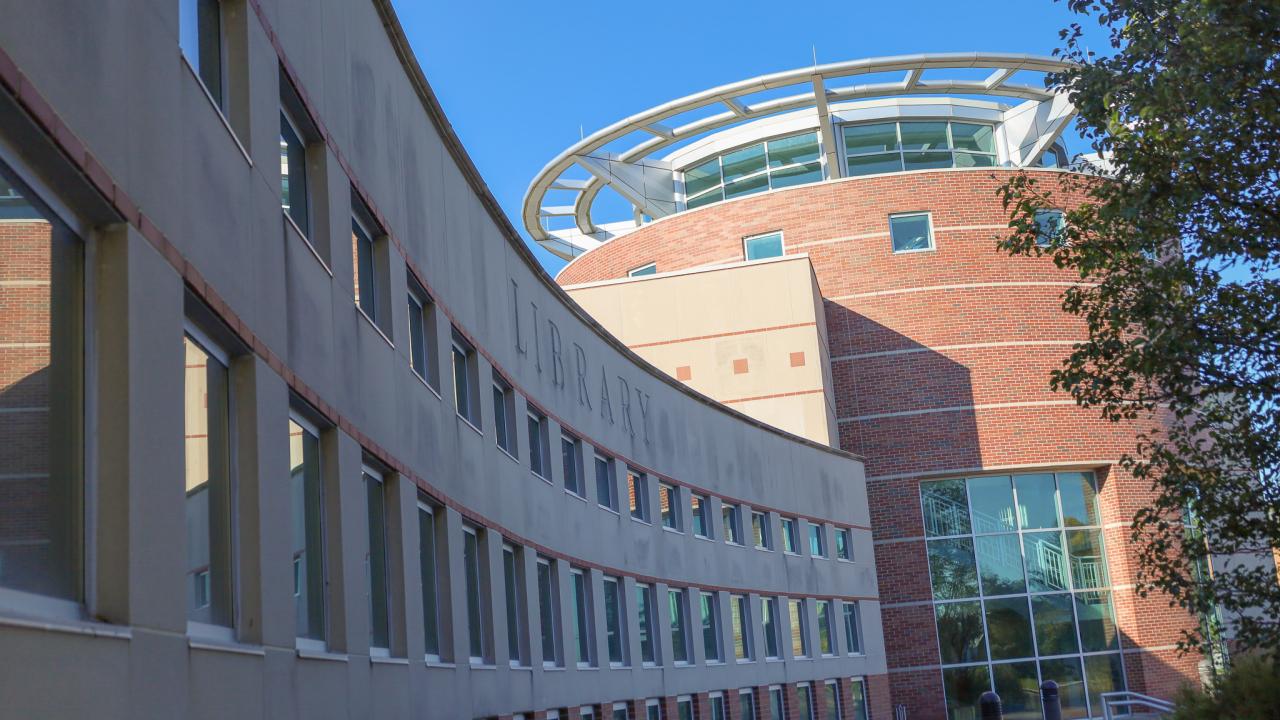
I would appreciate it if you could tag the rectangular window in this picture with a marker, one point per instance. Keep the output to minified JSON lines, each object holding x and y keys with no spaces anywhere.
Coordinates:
{"x":427,"y":555}
{"x":678,"y":615}
{"x":200,"y":37}
{"x":42,"y":376}
{"x":732,"y":519}
{"x":504,"y":414}
{"x":915,"y":145}
{"x":852,"y":628}
{"x":652,"y":711}
{"x":790,"y":536}
{"x":644,"y":613}
{"x":760,"y":529}
{"x":701,"y":519}
{"x":769,"y":618}
{"x":761,"y":247}
{"x":637,"y":494}
{"x":477,"y":637}
{"x":830,"y":699}
{"x":777,"y":163}
{"x":650,"y":269}
{"x":305,"y":489}
{"x":911,"y":232}
{"x":513,"y":581}
{"x":669,"y":502}
{"x":571,"y":455}
{"x":804,"y":702}
{"x":741,"y":609}
{"x":858,"y":697}
{"x":776,"y":711}
{"x":539,"y":444}
{"x":375,"y":561}
{"x":717,"y":706}
{"x":684,"y":708}
{"x":710,"y":611}
{"x":548,"y":612}
{"x":799,"y":629}
{"x":817,"y":541}
{"x":583,"y":627}
{"x":296,"y":136}
{"x":826,"y":640}
{"x":208,"y":483}
{"x":746,"y":705}
{"x":364,"y":278}
{"x":615,"y":625}
{"x":1049,"y":227}
{"x":466,"y":380}
{"x":844,"y":544}
{"x":423,"y":355}
{"x":606,"y":489}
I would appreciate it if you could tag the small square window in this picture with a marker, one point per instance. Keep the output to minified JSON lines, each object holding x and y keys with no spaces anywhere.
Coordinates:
{"x":650,"y":269}
{"x":763,"y":246}
{"x":1049,"y":227}
{"x":911,"y":232}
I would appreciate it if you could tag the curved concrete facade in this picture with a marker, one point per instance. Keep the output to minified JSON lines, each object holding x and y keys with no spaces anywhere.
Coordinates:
{"x":175,"y":199}
{"x":940,"y":364}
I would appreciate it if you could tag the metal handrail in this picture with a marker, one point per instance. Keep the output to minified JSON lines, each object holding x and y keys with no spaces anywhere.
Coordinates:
{"x":1128,"y":700}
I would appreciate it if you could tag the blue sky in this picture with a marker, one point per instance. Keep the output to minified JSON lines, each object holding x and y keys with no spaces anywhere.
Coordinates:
{"x":518,"y":78}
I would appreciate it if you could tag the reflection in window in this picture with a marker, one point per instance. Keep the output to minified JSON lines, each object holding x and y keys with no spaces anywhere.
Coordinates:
{"x":583,"y":628}
{"x":946,"y":508}
{"x":917,"y":145}
{"x":208,"y":482}
{"x":910,"y":232}
{"x":679,"y":621}
{"x":741,"y":610}
{"x":1000,"y":564}
{"x":1018,"y":688}
{"x":513,"y":576}
{"x":1009,"y":628}
{"x":375,"y":560}
{"x":606,"y":491}
{"x":799,"y":629}
{"x":852,"y":628}
{"x":701,"y":519}
{"x":858,"y":696}
{"x":1049,"y":227}
{"x":430,"y":584}
{"x":1037,"y":501}
{"x":1071,"y":690}
{"x":307,"y":530}
{"x":200,"y":37}
{"x":963,"y":686}
{"x":1097,"y":623}
{"x":548,"y":611}
{"x":775,"y":164}
{"x":669,"y":505}
{"x":960,"y":634}
{"x":42,"y":351}
{"x":769,"y":619}
{"x":644,"y":612}
{"x":790,"y":536}
{"x":615,"y":626}
{"x":710,"y":627}
{"x":991,"y":499}
{"x":825,"y":637}
{"x":1055,"y":631}
{"x":952,"y":569}
{"x":763,"y":246}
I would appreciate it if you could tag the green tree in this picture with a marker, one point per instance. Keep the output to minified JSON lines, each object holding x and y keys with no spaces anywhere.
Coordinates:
{"x":1177,"y":253}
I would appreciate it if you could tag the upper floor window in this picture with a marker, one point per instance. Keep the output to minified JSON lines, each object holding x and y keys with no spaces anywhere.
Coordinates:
{"x":606,"y":489}
{"x":826,"y":639}
{"x":701,"y":516}
{"x":571,"y":454}
{"x":1049,"y":227}
{"x":473,"y":569}
{"x":760,"y":247}
{"x":615,"y":621}
{"x":645,"y":609}
{"x":466,"y":380}
{"x":306,"y":495}
{"x":844,"y":544}
{"x":678,"y":611}
{"x":740,"y":609}
{"x":761,"y":531}
{"x":799,"y":628}
{"x":42,"y":376}
{"x":650,"y":269}
{"x":513,"y":582}
{"x":817,"y":541}
{"x":917,"y":145}
{"x":369,"y":262}
{"x":770,"y":621}
{"x":669,"y":500}
{"x":429,"y":524}
{"x":300,"y":169}
{"x":911,"y":232}
{"x":790,"y":536}
{"x":504,"y":414}
{"x":774,"y":164}
{"x":852,"y":628}
{"x":583,"y":618}
{"x":539,"y":444}
{"x":731,"y":515}
{"x":709,"y":606}
{"x":200,"y":37}
{"x":637,"y":494}
{"x":423,"y":349}
{"x":548,"y":612}
{"x":376,"y":570}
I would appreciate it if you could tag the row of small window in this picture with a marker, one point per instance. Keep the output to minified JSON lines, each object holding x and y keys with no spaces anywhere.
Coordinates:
{"x":802,"y":705}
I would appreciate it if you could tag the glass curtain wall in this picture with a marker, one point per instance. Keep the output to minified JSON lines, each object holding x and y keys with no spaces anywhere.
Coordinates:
{"x":1020,"y":591}
{"x":917,"y":145}
{"x":774,"y":164}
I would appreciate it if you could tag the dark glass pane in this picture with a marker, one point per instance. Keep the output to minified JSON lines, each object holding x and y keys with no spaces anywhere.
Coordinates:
{"x":1037,"y":501}
{"x":710,"y":628}
{"x":417,"y":349}
{"x":364,"y":270}
{"x":991,"y":500}
{"x":208,"y":488}
{"x":1000,"y":564}
{"x":308,"y":539}
{"x":978,"y":138}
{"x":702,"y":177}
{"x":293,"y":175}
{"x":547,"y":612}
{"x":924,"y":135}
{"x":1079,"y":499}
{"x":926,"y":160}
{"x":952,"y":569}
{"x":471,"y":565}
{"x":792,"y":150}
{"x":1046,"y":561}
{"x":604,"y":484}
{"x":1102,"y":674}
{"x":964,"y":159}
{"x":679,"y":651}
{"x":376,"y":564}
{"x":798,"y":175}
{"x":740,"y":163}
{"x":1066,"y":672}
{"x":691,"y":203}
{"x":427,"y":564}
{"x":1088,"y":568}
{"x":1019,"y":690}
{"x":1097,"y":624}
{"x":946,"y":508}
{"x":1055,"y":629}
{"x":963,"y":687}
{"x":960,"y":635}
{"x":872,"y":164}
{"x":510,"y":575}
{"x":1009,"y":628}
{"x":876,"y":137}
{"x":643,"y":612}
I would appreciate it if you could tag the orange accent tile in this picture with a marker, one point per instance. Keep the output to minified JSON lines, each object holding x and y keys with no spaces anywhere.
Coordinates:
{"x":740,"y":366}
{"x":797,"y":359}
{"x":684,"y":372}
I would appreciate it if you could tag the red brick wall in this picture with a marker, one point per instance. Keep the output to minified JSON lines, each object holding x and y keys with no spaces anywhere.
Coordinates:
{"x":1004,"y":313}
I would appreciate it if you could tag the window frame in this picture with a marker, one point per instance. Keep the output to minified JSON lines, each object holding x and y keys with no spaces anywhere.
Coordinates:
{"x":219,"y":98}
{"x":680,"y":597}
{"x":928,"y":215}
{"x":790,"y":535}
{"x":830,"y":626}
{"x":422,"y":314}
{"x":308,"y":642}
{"x":670,"y":492}
{"x":516,"y":604}
{"x":573,"y":445}
{"x":767,"y":171}
{"x":851,"y":618}
{"x":709,"y":623}
{"x":485,"y":621}
{"x":620,"y":615}
{"x":746,"y":243}
{"x":370,"y":473}
{"x":740,"y":620}
{"x":643,"y":270}
{"x":817,"y":540}
{"x":584,"y":618}
{"x":770,"y":622}
{"x":647,"y":623}
{"x":551,"y":613}
{"x":901,"y":152}
{"x":607,"y":501}
{"x":426,"y":507}
{"x":539,"y":447}
{"x":641,"y":512}
{"x":504,"y":416}
{"x":731,"y":522}
{"x":844,"y":536}
{"x":800,"y":632}
{"x":462,"y":348}
{"x":699,"y":511}
{"x":766,"y":531}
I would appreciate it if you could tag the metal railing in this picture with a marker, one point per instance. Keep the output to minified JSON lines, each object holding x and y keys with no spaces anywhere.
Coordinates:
{"x":1115,"y":704}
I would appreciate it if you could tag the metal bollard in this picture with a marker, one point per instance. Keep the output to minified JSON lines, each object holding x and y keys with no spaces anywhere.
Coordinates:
{"x":1050,"y":701}
{"x":989,"y":706}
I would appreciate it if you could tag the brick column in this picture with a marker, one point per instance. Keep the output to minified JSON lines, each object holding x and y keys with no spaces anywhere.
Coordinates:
{"x":701,"y":706}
